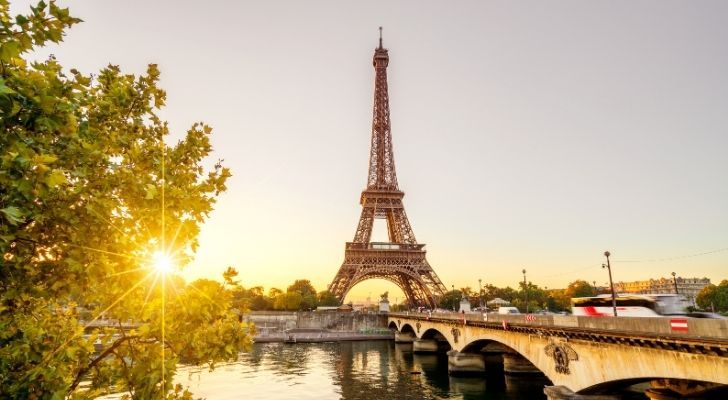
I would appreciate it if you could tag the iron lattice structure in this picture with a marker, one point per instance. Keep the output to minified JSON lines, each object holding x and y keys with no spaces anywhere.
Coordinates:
{"x":401,"y":260}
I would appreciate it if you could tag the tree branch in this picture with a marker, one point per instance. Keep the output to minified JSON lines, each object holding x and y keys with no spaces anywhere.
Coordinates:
{"x":98,"y":359}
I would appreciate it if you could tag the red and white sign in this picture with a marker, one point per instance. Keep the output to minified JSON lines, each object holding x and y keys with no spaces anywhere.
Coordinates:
{"x":530,"y":317}
{"x":679,"y":324}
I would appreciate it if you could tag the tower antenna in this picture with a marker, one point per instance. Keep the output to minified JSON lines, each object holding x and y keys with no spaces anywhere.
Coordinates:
{"x":380,"y":37}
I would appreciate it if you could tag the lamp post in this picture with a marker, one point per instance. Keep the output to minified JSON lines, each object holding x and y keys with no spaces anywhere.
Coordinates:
{"x":453,"y":297}
{"x":596,"y":291}
{"x":480,"y":293}
{"x":525,"y":289}
{"x":611,"y":284}
{"x":674,"y":282}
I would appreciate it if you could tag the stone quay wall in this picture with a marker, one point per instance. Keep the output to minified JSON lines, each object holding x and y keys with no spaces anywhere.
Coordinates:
{"x":271,"y":322}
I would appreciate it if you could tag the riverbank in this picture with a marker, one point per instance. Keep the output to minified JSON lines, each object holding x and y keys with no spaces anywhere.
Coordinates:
{"x":320,"y":336}
{"x":318,"y":327}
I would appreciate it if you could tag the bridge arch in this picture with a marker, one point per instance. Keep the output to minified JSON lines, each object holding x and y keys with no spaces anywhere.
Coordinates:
{"x":392,"y":326}
{"x":407,"y":328}
{"x":497,"y":344}
{"x":443,"y":342}
{"x":695,"y":388}
{"x":480,"y":345}
{"x":433,"y":333}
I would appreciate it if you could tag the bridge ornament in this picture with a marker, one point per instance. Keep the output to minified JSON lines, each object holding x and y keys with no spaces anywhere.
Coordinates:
{"x":418,"y":327}
{"x":455,"y":334}
{"x":561,"y":353}
{"x":399,"y":323}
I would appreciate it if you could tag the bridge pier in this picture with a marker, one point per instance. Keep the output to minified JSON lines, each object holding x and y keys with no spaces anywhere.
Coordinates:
{"x":564,"y":393}
{"x":493,"y":357}
{"x":404,"y":337}
{"x":425,"y":346}
{"x":514,"y":363}
{"x":459,"y":364}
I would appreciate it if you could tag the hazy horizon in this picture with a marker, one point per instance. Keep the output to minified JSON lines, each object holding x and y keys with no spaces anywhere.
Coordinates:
{"x":526,"y":135}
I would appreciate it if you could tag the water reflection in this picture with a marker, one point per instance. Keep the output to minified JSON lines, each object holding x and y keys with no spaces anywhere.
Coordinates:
{"x":348,"y":371}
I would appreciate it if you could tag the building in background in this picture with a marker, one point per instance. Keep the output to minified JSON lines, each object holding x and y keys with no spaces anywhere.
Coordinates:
{"x":688,"y":287}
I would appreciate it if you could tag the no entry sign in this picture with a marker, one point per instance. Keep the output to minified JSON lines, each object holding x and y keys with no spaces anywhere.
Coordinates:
{"x":679,"y":324}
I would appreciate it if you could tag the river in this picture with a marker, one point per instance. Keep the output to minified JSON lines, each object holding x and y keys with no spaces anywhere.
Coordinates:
{"x":379,"y":370}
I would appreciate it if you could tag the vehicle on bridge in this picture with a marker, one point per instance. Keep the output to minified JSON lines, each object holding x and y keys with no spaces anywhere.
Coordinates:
{"x":508,"y":310}
{"x":630,"y":305}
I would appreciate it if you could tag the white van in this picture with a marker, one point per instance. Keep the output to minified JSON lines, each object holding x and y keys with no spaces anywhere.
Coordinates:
{"x":508,"y":310}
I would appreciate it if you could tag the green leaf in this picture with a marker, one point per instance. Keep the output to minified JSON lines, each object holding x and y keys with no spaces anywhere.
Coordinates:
{"x":9,"y":50}
{"x":13,"y":215}
{"x":55,"y":178}
{"x":45,"y":159}
{"x":151,"y":191}
{"x":4,"y":90}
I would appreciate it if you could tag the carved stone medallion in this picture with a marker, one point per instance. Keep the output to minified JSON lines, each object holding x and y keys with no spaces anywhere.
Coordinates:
{"x":455,"y":334}
{"x":562,"y":353}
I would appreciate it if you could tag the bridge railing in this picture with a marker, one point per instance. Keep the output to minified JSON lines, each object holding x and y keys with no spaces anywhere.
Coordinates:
{"x":672,"y":326}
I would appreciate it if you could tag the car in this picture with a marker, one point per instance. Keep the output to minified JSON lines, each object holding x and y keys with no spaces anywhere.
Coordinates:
{"x":508,"y":310}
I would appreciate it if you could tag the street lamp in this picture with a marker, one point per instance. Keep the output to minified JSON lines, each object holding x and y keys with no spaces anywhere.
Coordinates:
{"x":525,"y":289}
{"x":674,"y":282}
{"x":611,"y":284}
{"x":595,"y":287}
{"x":480,"y":293}
{"x":453,"y":297}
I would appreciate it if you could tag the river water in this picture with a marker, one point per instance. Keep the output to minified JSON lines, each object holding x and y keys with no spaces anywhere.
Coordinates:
{"x":379,"y":370}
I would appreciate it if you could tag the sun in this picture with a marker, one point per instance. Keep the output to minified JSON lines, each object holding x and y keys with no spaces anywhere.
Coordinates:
{"x":162,"y":262}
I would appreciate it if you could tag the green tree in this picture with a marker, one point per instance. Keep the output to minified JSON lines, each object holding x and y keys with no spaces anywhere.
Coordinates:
{"x":274,"y":292}
{"x":327,"y":299}
{"x":251,"y":299}
{"x":580,"y":288}
{"x":90,"y":195}
{"x":451,"y":300}
{"x":714,"y":297}
{"x":289,"y":301}
{"x":303,"y":287}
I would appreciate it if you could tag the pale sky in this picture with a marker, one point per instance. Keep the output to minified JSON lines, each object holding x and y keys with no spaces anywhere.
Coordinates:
{"x":527,"y":134}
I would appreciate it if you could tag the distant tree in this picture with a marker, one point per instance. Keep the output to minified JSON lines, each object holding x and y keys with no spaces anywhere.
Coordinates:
{"x":467,"y":291}
{"x":507,"y":293}
{"x":714,"y":297}
{"x":229,"y":276}
{"x":303,"y":287}
{"x":558,"y":300}
{"x":260,"y":302}
{"x":706,"y":297}
{"x":289,"y":301}
{"x":580,"y":288}
{"x":384,"y":296}
{"x":451,"y":300}
{"x":537,"y":298}
{"x":327,"y":299}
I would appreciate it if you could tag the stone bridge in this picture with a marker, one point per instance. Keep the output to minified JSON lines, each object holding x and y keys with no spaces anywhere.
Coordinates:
{"x":584,"y":357}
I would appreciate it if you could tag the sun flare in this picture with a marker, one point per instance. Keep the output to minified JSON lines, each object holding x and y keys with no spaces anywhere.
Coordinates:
{"x":162,"y":262}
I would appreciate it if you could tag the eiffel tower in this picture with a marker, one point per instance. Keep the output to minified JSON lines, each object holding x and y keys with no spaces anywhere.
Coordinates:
{"x":401,"y":260}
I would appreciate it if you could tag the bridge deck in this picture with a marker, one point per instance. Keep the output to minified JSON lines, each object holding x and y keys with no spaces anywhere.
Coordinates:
{"x":701,"y":335}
